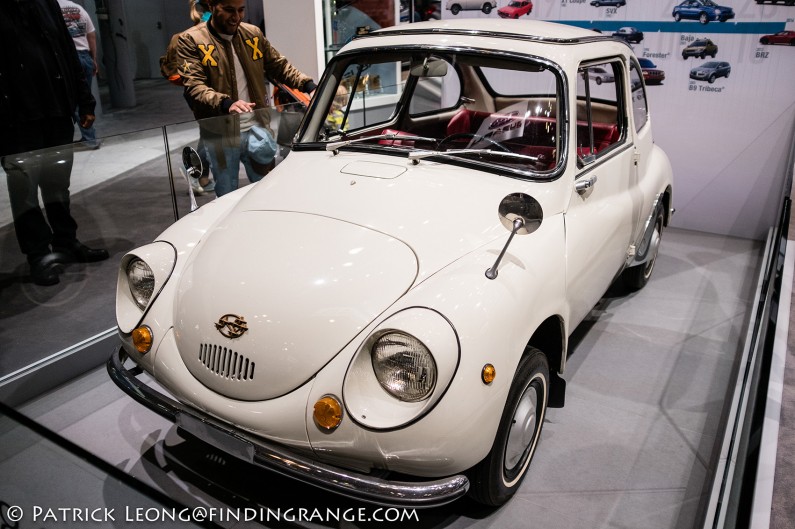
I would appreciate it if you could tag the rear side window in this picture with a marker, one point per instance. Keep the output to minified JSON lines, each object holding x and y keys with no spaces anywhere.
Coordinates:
{"x":599,"y":111}
{"x":640,"y":108}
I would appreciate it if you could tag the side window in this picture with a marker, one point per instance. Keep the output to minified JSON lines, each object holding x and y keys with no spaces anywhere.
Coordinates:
{"x":599,"y":109}
{"x":367,"y":96}
{"x":640,"y":108}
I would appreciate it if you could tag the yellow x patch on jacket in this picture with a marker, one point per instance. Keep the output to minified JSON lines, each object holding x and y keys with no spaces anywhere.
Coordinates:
{"x":254,"y":45}
{"x":207,"y":50}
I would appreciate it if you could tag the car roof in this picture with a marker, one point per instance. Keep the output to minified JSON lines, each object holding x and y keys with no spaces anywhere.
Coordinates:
{"x":499,"y":34}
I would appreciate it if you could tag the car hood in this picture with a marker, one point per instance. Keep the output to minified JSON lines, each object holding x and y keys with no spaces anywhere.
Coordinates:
{"x":314,"y":253}
{"x":272,"y":296}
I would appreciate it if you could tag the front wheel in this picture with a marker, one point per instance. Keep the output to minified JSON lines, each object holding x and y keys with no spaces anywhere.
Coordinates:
{"x":496,"y":479}
{"x":486,"y":8}
{"x":636,"y":277}
{"x":711,"y":78}
{"x":703,"y":18}
{"x":455,"y":9}
{"x":677,"y":17}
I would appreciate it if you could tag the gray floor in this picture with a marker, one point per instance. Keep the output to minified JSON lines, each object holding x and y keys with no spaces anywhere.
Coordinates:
{"x":634,"y":447}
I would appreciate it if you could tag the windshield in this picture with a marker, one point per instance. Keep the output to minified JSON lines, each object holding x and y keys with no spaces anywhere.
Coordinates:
{"x":463,"y":108}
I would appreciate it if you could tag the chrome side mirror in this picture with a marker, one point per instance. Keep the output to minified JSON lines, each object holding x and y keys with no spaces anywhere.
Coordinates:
{"x":192,"y":162}
{"x":520,"y":214}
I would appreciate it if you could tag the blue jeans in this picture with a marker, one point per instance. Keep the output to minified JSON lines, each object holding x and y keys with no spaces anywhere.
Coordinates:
{"x":226,"y":175}
{"x":89,"y":135}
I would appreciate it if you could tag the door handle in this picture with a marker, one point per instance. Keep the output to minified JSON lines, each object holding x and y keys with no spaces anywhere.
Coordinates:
{"x":582,"y":186}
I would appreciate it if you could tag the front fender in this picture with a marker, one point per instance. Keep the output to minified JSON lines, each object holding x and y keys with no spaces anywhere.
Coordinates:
{"x":494,"y":320}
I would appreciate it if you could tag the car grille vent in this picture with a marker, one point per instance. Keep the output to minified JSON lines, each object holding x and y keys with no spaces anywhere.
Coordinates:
{"x":225,"y":362}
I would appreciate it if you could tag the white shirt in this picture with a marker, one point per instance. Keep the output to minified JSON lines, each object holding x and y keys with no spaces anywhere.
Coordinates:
{"x":78,"y":23}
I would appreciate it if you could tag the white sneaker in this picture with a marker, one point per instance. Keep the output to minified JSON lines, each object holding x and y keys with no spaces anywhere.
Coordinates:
{"x":197,"y":188}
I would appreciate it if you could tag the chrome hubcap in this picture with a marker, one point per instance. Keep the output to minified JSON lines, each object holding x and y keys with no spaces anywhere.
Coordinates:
{"x":655,"y":247}
{"x":523,"y":427}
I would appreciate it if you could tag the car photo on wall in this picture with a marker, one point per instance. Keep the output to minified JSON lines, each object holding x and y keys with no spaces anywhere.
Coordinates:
{"x":515,"y":9}
{"x":785,"y":2}
{"x":629,"y":34}
{"x":782,"y":37}
{"x":651,"y":74}
{"x":710,"y":71}
{"x":608,"y":3}
{"x":456,"y":6}
{"x":704,"y":11}
{"x":700,"y":48}
{"x":600,"y":75}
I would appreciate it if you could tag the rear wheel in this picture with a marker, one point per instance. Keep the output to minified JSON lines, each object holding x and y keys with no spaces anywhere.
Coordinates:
{"x":636,"y":277}
{"x":486,"y":8}
{"x":703,"y":18}
{"x":496,"y":479}
{"x":455,"y":9}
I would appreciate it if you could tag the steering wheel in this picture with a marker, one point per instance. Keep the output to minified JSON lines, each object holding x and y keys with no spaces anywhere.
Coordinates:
{"x":469,"y":135}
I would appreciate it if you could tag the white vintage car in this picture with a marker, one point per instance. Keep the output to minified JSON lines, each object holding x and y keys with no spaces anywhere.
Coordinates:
{"x":386,"y":315}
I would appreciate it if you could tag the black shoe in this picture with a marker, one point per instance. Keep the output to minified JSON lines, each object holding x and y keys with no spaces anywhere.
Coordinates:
{"x":80,"y":253}
{"x":44,"y":270}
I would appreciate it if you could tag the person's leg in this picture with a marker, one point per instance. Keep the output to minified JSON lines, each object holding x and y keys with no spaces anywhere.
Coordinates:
{"x":56,"y":173}
{"x":225,"y":165}
{"x":33,"y":233}
{"x":23,"y":174}
{"x":207,"y":183}
{"x":54,"y":181}
{"x":87,"y":136}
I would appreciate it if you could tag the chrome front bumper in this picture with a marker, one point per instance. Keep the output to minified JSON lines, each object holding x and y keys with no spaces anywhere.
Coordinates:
{"x":279,"y":459}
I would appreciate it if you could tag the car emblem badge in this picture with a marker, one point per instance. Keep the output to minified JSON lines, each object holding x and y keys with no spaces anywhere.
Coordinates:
{"x":231,"y":325}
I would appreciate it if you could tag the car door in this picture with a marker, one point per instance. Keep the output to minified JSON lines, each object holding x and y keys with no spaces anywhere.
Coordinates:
{"x":601,"y":213}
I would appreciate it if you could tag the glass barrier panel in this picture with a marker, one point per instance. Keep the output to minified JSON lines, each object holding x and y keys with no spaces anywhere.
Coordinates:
{"x":119,"y":197}
{"x":215,"y":156}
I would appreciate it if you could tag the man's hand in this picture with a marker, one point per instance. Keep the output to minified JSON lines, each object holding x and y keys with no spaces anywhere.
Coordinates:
{"x":241,"y":107}
{"x":86,"y":120}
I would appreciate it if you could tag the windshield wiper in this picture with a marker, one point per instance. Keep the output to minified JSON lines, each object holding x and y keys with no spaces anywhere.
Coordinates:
{"x":416,"y":156}
{"x":335,"y":145}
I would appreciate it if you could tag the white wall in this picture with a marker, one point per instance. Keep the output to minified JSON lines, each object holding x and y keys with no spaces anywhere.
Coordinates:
{"x":295,"y":29}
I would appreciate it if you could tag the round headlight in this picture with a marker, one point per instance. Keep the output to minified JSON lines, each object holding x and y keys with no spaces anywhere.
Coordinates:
{"x":403,"y":366}
{"x":141,"y":281}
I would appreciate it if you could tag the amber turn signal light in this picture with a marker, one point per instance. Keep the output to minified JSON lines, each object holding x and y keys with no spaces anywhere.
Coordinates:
{"x":328,"y":413}
{"x":488,"y":374}
{"x":142,"y":339}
